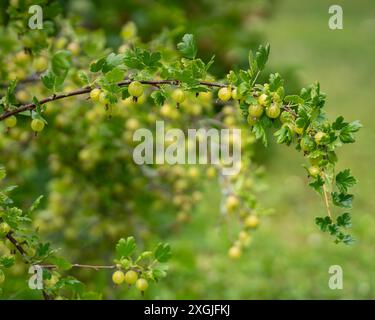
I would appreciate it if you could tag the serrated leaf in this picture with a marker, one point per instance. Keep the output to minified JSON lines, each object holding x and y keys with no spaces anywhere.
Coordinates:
{"x":323,"y":223}
{"x":295,"y":99}
{"x":163,"y":252}
{"x":125,"y":247}
{"x":261,"y":56}
{"x":344,"y":220}
{"x":188,"y":47}
{"x":159,"y":97}
{"x":115,"y":75}
{"x":344,"y":180}
{"x":61,"y":263}
{"x":342,"y":200}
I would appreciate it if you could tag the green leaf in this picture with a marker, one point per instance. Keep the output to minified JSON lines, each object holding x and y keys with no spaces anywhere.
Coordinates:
{"x":35,"y":204}
{"x":159,"y":272}
{"x":115,"y":75}
{"x":344,"y":220}
{"x":159,"y":97}
{"x":261,"y":56}
{"x":163,"y":252}
{"x":61,"y":62}
{"x":347,"y":132}
{"x":97,"y":65}
{"x":295,"y":99}
{"x":275,"y":81}
{"x":317,"y":184}
{"x":342,"y":200}
{"x":7,"y":261}
{"x":61,"y":263}
{"x":125,"y":247}
{"x":188,"y":47}
{"x":345,"y":180}
{"x":323,"y":223}
{"x":83,"y":77}
{"x":112,"y":61}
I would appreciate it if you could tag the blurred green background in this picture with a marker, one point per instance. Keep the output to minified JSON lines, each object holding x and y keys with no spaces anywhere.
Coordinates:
{"x":289,"y":257}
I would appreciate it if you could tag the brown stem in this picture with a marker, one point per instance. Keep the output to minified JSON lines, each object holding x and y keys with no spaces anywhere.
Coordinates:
{"x":85,"y":90}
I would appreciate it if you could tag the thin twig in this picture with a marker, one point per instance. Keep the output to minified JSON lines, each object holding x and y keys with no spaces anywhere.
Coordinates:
{"x":87,"y":89}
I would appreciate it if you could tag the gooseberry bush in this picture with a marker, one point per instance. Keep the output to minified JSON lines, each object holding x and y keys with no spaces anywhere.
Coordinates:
{"x":70,"y":106}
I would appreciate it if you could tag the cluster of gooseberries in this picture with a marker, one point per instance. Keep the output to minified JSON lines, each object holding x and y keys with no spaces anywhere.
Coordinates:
{"x":37,"y":125}
{"x":130,"y":278}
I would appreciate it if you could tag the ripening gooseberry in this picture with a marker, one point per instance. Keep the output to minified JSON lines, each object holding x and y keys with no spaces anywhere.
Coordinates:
{"x":178,"y":95}
{"x":224,"y":94}
{"x":314,"y":171}
{"x":319,"y":136}
{"x":251,"y":221}
{"x":251,"y":120}
{"x":37,"y":125}
{"x":94,"y":94}
{"x":255,"y":110}
{"x":11,"y":122}
{"x":74,"y":48}
{"x":236,"y":95}
{"x":118,"y":277}
{"x":298,"y":130}
{"x":135,"y":89}
{"x":4,"y":228}
{"x":262,"y":100}
{"x":286,"y":117}
{"x":307,"y":144}
{"x":141,"y":284}
{"x":103,"y":98}
{"x":273,"y":111}
{"x":131,"y":277}
{"x":232,"y":203}
{"x":234,"y":253}
{"x":40,"y":64}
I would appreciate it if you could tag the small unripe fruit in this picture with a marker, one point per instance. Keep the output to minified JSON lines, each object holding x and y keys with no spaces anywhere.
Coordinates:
{"x":51,"y":281}
{"x":131,"y":277}
{"x":314,"y":171}
{"x":273,"y":111}
{"x":211,"y":172}
{"x":262,"y":100}
{"x":135,"y":89}
{"x":94,"y":94}
{"x":298,"y":130}
{"x":251,"y":221}
{"x":37,"y":125}
{"x":21,"y":57}
{"x":234,"y":253}
{"x":255,"y":110}
{"x":232,"y":203}
{"x":4,"y":228}
{"x":40,"y":64}
{"x":319,"y":136}
{"x":236,"y":95}
{"x":178,"y":95}
{"x":118,"y":277}
{"x":307,"y":144}
{"x":286,"y":117}
{"x":103,"y":98}
{"x":74,"y":48}
{"x":141,"y":284}
{"x":251,"y":120}
{"x":11,"y":122}
{"x":224,"y":94}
